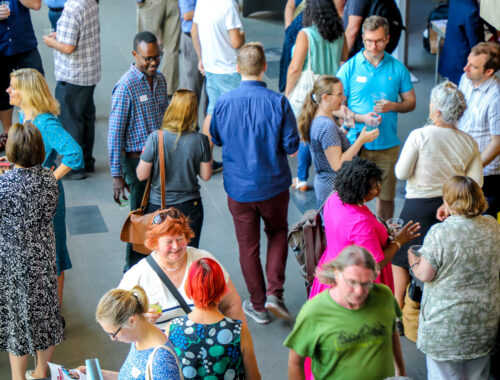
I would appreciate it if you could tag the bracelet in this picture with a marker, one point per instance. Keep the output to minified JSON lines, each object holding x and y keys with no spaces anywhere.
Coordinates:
{"x":411,"y":267}
{"x":397,"y":243}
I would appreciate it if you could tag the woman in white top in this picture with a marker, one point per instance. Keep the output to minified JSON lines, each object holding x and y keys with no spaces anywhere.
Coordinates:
{"x":430,"y":156}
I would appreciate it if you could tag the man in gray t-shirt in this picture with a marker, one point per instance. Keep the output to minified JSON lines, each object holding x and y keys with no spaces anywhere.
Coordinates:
{"x":355,"y":12}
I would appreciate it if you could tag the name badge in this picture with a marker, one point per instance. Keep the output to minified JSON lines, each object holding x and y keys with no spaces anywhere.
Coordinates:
{"x":361,"y":79}
{"x":135,"y":373}
{"x":143,"y":98}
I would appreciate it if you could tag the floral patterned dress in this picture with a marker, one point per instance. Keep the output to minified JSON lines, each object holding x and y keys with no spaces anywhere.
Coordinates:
{"x":208,"y":352}
{"x":460,"y":307}
{"x":30,"y":317}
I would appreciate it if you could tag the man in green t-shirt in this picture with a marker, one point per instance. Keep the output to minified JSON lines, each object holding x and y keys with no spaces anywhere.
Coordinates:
{"x":349,"y":330}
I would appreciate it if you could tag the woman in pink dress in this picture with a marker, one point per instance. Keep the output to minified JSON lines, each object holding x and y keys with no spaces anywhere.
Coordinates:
{"x":349,"y":221}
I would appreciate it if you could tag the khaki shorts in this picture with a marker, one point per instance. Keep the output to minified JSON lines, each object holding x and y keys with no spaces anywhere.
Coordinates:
{"x":386,"y":160}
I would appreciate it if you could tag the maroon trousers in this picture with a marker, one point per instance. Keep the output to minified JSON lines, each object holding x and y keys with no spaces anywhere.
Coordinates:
{"x":246,"y":218}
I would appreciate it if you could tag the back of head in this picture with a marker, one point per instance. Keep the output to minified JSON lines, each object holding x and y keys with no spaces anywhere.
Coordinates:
{"x":355,"y":178}
{"x":182,"y":112}
{"x":323,"y":14}
{"x":146,"y":37}
{"x":464,"y":196}
{"x":118,"y":305}
{"x":492,"y":51}
{"x":449,"y":101}
{"x":323,"y":85}
{"x":35,"y":91}
{"x":251,"y":59}
{"x":350,"y":255}
{"x":25,"y":145}
{"x":206,"y":284}
{"x":372,"y":23}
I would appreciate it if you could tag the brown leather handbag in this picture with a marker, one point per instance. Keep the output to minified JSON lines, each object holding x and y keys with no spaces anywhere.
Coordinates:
{"x":137,"y":223}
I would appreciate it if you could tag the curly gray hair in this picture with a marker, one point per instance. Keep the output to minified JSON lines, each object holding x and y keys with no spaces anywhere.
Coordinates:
{"x":449,"y":101}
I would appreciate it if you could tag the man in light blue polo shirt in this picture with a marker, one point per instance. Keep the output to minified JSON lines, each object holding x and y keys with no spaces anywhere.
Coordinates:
{"x":377,"y":87}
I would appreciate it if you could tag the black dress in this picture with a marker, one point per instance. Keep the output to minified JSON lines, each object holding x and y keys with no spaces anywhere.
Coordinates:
{"x":30,"y":318}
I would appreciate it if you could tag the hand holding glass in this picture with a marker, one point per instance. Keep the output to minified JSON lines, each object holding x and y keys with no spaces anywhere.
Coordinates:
{"x":394,"y":224}
{"x":415,"y":249}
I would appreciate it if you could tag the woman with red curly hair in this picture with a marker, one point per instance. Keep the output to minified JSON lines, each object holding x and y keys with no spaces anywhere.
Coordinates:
{"x":208,"y":343}
{"x":168,"y":236}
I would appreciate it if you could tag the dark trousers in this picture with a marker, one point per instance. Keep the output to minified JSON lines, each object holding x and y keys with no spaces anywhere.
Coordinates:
{"x":491,"y":189}
{"x":246,"y":218}
{"x":193,"y":209}
{"x":78,"y":116}
{"x":137,"y":189}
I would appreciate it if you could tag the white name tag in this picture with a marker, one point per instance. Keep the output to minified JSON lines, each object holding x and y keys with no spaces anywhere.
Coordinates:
{"x":136,"y":372}
{"x":143,"y":98}
{"x":361,"y":79}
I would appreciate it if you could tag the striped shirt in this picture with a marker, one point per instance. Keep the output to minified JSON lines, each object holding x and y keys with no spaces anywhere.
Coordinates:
{"x":136,"y":111}
{"x":481,"y":119}
{"x":79,"y":26}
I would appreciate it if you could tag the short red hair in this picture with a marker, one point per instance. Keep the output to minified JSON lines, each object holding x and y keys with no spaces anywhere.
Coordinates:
{"x":205,"y":284}
{"x":172,"y":223}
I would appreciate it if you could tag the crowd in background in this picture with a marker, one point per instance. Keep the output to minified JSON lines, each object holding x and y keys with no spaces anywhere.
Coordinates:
{"x":178,"y":307}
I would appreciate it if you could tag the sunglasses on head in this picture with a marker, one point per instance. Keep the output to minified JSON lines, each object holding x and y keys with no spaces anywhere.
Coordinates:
{"x":168,"y":213}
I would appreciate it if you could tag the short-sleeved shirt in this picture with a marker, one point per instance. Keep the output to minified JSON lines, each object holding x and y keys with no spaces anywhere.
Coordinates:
{"x":257,"y":130}
{"x":344,"y":343}
{"x":355,"y":8}
{"x":183,"y":155}
{"x":361,"y":79}
{"x":460,"y":307}
{"x":16,"y":31}
{"x":142,"y":274}
{"x":164,"y":364}
{"x":324,"y":133}
{"x":79,"y":26}
{"x":186,"y":6}
{"x":214,"y":20}
{"x":481,"y":119}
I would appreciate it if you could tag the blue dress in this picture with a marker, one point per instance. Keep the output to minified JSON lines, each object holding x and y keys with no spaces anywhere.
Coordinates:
{"x":288,"y":43}
{"x":58,"y":142}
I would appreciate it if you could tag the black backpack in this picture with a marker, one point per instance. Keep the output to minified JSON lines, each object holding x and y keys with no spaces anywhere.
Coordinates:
{"x":389,"y":10}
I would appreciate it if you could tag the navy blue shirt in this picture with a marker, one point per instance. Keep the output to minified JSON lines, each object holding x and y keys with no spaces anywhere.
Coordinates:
{"x":16,"y":31}
{"x":256,"y":129}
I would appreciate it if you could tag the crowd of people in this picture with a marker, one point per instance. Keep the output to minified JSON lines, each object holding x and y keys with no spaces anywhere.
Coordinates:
{"x":178,"y":307}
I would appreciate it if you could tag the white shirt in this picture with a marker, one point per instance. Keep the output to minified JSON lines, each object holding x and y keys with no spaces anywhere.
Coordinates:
{"x":482,"y":116}
{"x":143,"y":275}
{"x":431,"y":155}
{"x":214,"y":19}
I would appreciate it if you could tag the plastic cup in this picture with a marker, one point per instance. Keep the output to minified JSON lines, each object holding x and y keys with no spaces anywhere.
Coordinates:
{"x":378,"y":96}
{"x":48,"y":31}
{"x":5,"y":4}
{"x":156,"y":307}
{"x":394,"y":224}
{"x":415,"y":249}
{"x":372,"y":124}
{"x":123,"y":203}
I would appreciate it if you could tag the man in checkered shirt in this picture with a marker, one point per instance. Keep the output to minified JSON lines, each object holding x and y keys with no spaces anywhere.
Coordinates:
{"x":138,"y":103}
{"x":77,"y":61}
{"x":481,"y":120}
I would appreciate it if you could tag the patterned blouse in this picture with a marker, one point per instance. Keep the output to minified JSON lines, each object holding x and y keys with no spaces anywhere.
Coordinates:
{"x":208,"y":351}
{"x":460,"y":307}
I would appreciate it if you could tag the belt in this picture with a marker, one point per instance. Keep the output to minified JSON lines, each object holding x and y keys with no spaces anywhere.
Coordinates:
{"x":187,"y":34}
{"x":56,"y":9}
{"x":133,"y":154}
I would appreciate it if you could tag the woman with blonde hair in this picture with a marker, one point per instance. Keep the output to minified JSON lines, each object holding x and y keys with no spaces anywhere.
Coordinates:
{"x":121,"y":315}
{"x":29,"y":91}
{"x":328,"y":143}
{"x":459,"y":263}
{"x":187,"y":155}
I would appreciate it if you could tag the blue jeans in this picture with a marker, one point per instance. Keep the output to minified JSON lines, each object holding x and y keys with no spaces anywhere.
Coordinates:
{"x":218,"y":84}
{"x":304,"y":160}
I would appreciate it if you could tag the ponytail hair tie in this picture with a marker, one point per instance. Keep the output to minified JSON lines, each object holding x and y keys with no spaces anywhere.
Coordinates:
{"x":313,"y":97}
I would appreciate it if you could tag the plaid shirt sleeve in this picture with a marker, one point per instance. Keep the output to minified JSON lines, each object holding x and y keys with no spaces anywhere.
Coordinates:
{"x":68,"y":27}
{"x":118,"y":121}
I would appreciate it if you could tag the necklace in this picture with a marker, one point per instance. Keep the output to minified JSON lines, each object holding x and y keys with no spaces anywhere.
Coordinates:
{"x":172,"y":269}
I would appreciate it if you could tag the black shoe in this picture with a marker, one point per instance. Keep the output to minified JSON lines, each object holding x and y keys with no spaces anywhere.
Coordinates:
{"x":216,"y":166}
{"x":76,"y":174}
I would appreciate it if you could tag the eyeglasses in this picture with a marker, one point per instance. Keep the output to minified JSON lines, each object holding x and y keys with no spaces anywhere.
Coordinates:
{"x":112,"y":336}
{"x":375,"y":42}
{"x":151,"y":59}
{"x":168,"y":213}
{"x":354,"y":284}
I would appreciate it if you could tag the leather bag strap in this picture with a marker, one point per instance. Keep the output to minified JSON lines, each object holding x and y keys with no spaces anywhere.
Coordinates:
{"x":170,"y":286}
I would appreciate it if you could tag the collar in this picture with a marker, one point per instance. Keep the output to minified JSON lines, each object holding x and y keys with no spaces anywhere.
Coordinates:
{"x":139,"y":74}
{"x":483,"y":87}
{"x":249,"y":83}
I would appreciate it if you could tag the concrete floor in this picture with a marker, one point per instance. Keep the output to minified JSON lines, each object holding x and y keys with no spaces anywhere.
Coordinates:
{"x":98,"y":257}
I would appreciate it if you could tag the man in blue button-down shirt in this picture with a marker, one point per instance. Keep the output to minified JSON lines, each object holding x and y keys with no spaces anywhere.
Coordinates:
{"x":138,"y":104}
{"x":257,"y":129}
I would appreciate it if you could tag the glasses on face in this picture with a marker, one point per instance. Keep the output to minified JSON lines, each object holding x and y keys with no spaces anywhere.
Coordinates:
{"x":113,"y":335}
{"x":168,"y":213}
{"x":354,"y":284}
{"x":375,"y":42}
{"x":157,"y":58}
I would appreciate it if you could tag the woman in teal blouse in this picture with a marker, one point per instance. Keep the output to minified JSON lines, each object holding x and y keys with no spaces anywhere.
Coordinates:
{"x":29,"y":91}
